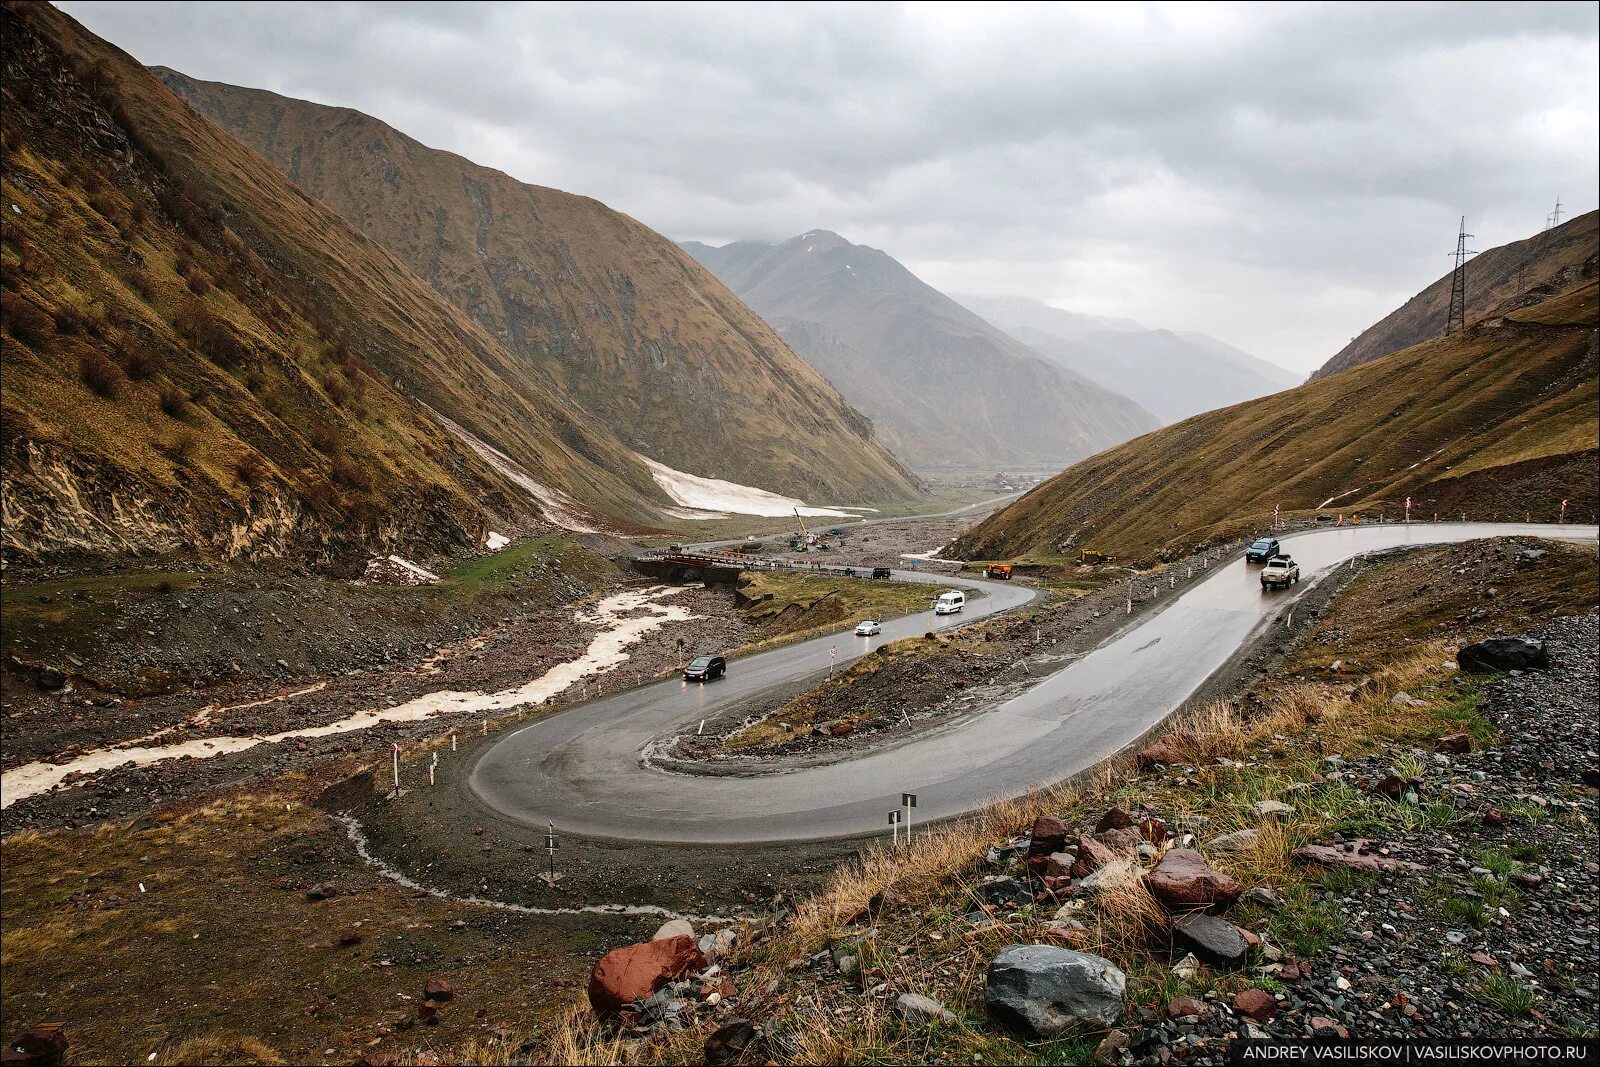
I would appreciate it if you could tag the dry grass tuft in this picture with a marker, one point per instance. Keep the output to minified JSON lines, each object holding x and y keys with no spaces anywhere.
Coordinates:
{"x":221,"y":1050}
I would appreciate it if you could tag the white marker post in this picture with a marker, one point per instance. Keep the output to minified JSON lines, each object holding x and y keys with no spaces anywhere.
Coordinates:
{"x":908,"y":801}
{"x":833,"y":651}
{"x":894,"y":826}
{"x":1563,"y":519}
{"x":1408,"y":511}
{"x":552,"y":844}
{"x":396,"y":755}
{"x":452,"y":742}
{"x":433,"y":766}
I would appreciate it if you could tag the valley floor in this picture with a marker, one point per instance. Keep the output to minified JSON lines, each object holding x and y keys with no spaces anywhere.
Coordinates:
{"x":146,"y":871}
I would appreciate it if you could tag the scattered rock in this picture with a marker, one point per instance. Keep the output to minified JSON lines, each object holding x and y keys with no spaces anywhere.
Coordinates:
{"x":43,"y":1046}
{"x":1215,"y":940}
{"x":1358,"y":855}
{"x":1256,"y":1003}
{"x":1453,"y":744}
{"x":1186,"y":968}
{"x":1040,"y":991}
{"x":1158,"y":753}
{"x":1049,"y":835}
{"x":1238,"y":841}
{"x":1092,"y":855}
{"x":1112,"y":1046}
{"x":729,"y":1041}
{"x":673,"y":928}
{"x":1182,"y":1007}
{"x":1117,"y":872}
{"x":918,"y":1010}
{"x":1002,"y":892}
{"x":1183,"y":880}
{"x":438,"y":989}
{"x":1113,"y":819}
{"x":1271,"y":809}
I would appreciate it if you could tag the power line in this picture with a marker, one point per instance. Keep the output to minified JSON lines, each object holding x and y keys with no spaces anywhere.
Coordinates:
{"x":1456,"y":319}
{"x":1552,"y":220}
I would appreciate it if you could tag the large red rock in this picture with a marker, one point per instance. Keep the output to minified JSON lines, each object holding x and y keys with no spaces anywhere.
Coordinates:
{"x":1183,"y":881}
{"x":1256,"y":1003}
{"x":1160,"y":752}
{"x":1113,"y":819}
{"x":1092,"y":855}
{"x":1049,"y":835}
{"x":633,"y":972}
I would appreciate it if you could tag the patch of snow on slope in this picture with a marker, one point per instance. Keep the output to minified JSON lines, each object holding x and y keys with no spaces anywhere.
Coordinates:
{"x":557,"y":506}
{"x":714,"y":494}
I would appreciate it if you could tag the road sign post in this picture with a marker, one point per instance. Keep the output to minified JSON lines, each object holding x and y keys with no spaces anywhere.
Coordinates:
{"x":908,"y":801}
{"x":894,"y":825}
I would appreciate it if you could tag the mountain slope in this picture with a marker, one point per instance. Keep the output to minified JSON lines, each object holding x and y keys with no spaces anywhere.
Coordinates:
{"x":1499,"y":280}
{"x":945,"y":388}
{"x":198,"y":358}
{"x":618,"y":317}
{"x":1497,"y":423}
{"x":1171,"y":375}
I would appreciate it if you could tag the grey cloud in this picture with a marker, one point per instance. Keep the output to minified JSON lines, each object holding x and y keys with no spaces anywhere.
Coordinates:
{"x":1276,"y":175}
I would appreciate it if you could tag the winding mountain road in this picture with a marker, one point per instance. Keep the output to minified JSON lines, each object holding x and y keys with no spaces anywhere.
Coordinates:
{"x":584,"y":768}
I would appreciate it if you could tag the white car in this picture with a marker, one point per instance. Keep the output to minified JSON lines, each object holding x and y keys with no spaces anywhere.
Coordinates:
{"x":868,"y":628}
{"x":1280,"y":573}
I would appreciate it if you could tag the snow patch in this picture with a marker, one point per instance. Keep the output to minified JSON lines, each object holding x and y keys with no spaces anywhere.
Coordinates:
{"x":496,"y":541}
{"x":557,"y":506}
{"x":395,"y":570}
{"x":714,"y":494}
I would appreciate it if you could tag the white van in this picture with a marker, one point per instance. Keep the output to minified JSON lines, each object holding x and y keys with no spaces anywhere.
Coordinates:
{"x":949,"y":603}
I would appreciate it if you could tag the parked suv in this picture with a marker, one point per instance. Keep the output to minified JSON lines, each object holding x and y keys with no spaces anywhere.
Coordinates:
{"x":705,"y":668}
{"x":1261,"y":550}
{"x":1280,"y":573}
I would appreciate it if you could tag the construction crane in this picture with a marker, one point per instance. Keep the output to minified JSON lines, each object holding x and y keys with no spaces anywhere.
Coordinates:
{"x":805,"y":532}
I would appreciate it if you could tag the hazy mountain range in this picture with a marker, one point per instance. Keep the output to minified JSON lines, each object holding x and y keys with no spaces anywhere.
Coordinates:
{"x":1174,"y":375}
{"x":945,"y":388}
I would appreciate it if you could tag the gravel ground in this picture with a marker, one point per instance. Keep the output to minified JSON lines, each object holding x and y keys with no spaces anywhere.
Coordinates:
{"x":1494,"y":933}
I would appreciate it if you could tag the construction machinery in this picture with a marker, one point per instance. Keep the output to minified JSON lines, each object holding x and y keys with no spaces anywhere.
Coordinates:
{"x":1086,"y":555}
{"x":1001,"y":571}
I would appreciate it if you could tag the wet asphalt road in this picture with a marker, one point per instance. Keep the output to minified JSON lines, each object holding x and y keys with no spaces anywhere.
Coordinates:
{"x":584,"y":768}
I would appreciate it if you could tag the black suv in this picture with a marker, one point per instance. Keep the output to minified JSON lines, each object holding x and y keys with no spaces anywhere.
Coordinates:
{"x":1261,"y":550}
{"x":705,"y":668}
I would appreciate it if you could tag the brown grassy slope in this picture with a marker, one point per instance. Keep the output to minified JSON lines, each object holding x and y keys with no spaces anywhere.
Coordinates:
{"x":196,"y":353}
{"x":1495,"y":424}
{"x":627,"y":324}
{"x":1500,"y":280}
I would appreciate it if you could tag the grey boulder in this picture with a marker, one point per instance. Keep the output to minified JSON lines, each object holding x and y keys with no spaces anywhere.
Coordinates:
{"x":1041,"y":991}
{"x":1503,"y":654}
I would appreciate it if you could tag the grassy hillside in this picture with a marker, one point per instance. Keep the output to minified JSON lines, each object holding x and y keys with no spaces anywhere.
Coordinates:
{"x":946,"y":389}
{"x":199,"y":358}
{"x":1500,"y":280}
{"x":1496,"y":424}
{"x":622,"y":320}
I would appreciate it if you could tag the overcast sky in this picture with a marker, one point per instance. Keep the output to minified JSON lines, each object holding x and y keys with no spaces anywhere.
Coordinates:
{"x":1277,"y":176}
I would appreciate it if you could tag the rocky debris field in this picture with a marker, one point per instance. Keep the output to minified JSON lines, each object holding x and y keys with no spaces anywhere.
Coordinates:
{"x":59,"y":726}
{"x":882,"y":544}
